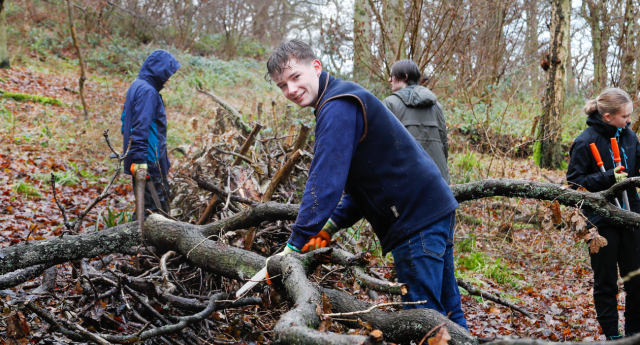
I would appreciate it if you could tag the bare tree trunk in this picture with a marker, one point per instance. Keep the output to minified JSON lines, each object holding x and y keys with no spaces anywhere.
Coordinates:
{"x":396,"y":18}
{"x":83,"y":75}
{"x":627,"y":46}
{"x":548,"y":147}
{"x":4,"y":51}
{"x":599,"y":40}
{"x":361,"y":40}
{"x":531,"y":45}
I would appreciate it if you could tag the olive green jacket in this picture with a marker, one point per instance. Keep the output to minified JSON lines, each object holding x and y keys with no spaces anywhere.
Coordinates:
{"x":419,"y":111}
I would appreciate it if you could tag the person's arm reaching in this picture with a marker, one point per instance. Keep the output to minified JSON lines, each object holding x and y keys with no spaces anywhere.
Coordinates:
{"x":338,"y":129}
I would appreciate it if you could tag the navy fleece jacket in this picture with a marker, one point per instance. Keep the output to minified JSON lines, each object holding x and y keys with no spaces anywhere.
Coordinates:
{"x":144,"y":119}
{"x":363,"y":150}
{"x":338,"y":129}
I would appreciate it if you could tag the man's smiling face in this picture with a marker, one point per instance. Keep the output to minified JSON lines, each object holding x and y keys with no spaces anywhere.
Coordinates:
{"x":300,"y":81}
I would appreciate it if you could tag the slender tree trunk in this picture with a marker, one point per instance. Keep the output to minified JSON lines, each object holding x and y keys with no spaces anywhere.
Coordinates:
{"x":361,"y":40}
{"x":531,"y":45}
{"x":599,"y":41}
{"x":397,"y":25}
{"x":83,"y":75}
{"x":548,"y":151}
{"x":626,"y":80}
{"x":4,"y":51}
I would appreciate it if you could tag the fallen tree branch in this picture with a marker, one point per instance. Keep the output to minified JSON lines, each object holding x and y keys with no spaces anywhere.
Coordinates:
{"x":632,"y":340}
{"x":344,"y":258}
{"x":595,"y":202}
{"x":375,"y":306}
{"x":478,"y":292}
{"x":236,"y":117}
{"x":298,"y":325}
{"x":211,"y":187}
{"x":247,"y":145}
{"x":281,"y":175}
{"x":20,"y":276}
{"x":402,"y":326}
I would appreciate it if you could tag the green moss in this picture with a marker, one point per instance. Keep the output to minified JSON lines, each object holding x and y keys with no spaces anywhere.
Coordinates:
{"x":536,"y":152}
{"x":25,"y":97}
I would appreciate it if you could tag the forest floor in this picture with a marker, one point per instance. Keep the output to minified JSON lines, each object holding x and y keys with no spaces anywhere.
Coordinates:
{"x":546,"y":272}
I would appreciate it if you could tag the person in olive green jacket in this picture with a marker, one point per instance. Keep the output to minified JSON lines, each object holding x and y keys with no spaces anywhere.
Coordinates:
{"x":419,"y":111}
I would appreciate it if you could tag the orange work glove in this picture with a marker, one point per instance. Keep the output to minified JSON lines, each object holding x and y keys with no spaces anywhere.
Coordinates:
{"x":135,"y":167}
{"x":321,"y":240}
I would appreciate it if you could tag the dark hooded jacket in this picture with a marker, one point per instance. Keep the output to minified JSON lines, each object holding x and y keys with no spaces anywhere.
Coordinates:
{"x":583,"y":170}
{"x":421,"y":114}
{"x":144,"y":119}
{"x":363,"y":150}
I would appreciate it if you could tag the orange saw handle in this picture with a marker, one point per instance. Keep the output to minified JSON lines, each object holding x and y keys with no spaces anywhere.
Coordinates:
{"x":615,"y":150}
{"x":596,"y":154}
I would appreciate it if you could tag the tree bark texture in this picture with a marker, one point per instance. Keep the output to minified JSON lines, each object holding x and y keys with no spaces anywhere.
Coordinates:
{"x":550,"y":131}
{"x":83,"y":74}
{"x":4,"y":50}
{"x":626,"y":80}
{"x":531,"y":45}
{"x":361,"y":40}
{"x":599,"y":39}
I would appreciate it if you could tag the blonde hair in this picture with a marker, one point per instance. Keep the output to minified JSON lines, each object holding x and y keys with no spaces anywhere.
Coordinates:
{"x":610,"y":101}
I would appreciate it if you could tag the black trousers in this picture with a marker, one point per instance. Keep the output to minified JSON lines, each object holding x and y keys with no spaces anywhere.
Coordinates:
{"x":162,"y":187}
{"x":622,"y":251}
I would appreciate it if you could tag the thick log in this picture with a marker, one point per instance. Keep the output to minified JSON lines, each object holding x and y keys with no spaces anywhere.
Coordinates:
{"x":632,"y":340}
{"x":402,"y":326}
{"x":298,"y":325}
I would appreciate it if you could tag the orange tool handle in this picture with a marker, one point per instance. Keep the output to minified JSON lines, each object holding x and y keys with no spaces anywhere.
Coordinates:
{"x":616,"y":150}
{"x":596,"y":154}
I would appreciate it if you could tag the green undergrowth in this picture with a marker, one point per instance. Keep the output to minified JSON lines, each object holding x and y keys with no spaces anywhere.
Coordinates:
{"x":469,"y":260}
{"x":27,"y":189}
{"x":64,"y":178}
{"x":25,"y":97}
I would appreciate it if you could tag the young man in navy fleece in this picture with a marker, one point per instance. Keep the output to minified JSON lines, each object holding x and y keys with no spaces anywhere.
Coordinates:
{"x":362,"y":149}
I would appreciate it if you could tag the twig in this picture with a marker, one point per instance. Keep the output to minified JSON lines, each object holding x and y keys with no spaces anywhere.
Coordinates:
{"x":236,"y":117}
{"x":477,"y":292}
{"x":197,"y":245}
{"x":431,"y":331}
{"x":630,"y":275}
{"x":372,"y":308}
{"x":239,"y":155}
{"x":211,"y":187}
{"x":55,"y":197}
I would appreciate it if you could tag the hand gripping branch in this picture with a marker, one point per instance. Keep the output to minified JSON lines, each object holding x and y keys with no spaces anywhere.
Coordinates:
{"x":616,"y":158}
{"x":596,"y":155}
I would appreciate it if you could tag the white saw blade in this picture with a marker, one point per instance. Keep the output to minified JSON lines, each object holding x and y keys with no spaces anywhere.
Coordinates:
{"x":254,"y":281}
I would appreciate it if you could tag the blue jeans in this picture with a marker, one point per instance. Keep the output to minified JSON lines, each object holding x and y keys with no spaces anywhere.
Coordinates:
{"x":425,"y":262}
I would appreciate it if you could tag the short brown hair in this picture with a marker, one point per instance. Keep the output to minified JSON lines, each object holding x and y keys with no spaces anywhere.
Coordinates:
{"x":406,"y":69}
{"x":280,"y":57}
{"x":611,"y":101}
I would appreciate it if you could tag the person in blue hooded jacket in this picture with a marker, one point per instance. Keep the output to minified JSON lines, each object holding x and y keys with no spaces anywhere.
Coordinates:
{"x":363,"y":150}
{"x":144,"y":122}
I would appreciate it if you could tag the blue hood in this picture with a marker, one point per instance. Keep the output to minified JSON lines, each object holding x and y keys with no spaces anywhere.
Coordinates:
{"x":158,"y":68}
